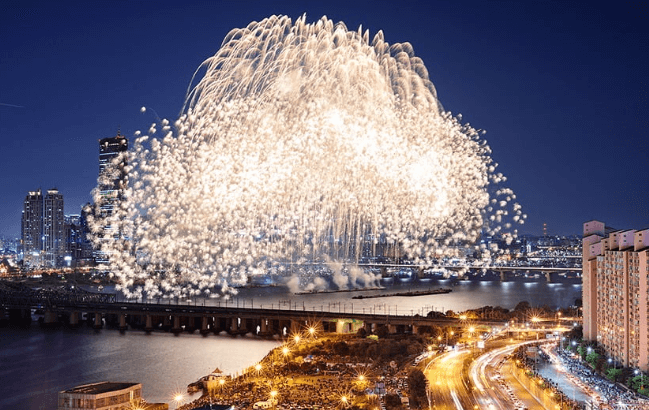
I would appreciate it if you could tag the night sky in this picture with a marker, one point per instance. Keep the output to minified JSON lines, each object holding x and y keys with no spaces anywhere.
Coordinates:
{"x":560,"y":88}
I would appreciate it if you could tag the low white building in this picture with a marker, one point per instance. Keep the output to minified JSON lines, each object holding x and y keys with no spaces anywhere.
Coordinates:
{"x":105,"y":396}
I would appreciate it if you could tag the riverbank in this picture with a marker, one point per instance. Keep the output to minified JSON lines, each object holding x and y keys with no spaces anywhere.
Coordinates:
{"x":321,"y":372}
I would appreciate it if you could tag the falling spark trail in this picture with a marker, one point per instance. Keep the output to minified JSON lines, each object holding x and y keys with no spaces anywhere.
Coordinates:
{"x":302,"y":144}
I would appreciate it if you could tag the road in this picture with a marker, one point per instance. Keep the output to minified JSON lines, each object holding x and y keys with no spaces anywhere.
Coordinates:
{"x":457,"y":383}
{"x":496,"y":388}
{"x":449,"y":389}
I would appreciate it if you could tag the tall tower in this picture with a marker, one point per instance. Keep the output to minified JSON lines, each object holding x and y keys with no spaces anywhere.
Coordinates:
{"x":31,"y":228}
{"x":112,"y":181}
{"x":53,"y":228}
{"x":111,"y":178}
{"x":43,"y":228}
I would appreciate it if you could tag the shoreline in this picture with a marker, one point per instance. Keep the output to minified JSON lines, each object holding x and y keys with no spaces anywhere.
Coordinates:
{"x":317,"y":372}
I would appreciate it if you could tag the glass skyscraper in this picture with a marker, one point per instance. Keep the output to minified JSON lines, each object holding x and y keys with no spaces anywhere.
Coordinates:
{"x":112,"y":180}
{"x":43,"y":229}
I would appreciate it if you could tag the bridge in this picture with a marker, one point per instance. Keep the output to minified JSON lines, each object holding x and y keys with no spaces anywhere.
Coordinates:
{"x":73,"y":306}
{"x":504,"y":271}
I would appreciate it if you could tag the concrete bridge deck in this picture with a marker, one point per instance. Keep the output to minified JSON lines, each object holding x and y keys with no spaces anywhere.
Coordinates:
{"x":70,"y":305}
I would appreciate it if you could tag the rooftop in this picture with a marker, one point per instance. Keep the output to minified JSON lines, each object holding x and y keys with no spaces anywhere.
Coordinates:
{"x":99,"y":388}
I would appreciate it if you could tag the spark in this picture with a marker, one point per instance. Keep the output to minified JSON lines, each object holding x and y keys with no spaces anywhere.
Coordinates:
{"x":303,"y":143}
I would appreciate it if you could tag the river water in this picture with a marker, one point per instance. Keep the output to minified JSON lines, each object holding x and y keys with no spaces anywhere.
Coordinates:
{"x":38,"y":363}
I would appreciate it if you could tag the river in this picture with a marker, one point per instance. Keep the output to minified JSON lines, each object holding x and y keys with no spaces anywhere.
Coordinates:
{"x":38,"y":363}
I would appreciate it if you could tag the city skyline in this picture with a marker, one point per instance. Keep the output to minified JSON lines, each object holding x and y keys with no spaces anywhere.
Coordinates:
{"x":560,"y":90}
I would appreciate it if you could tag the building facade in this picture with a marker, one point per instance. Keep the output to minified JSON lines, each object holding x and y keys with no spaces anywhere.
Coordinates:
{"x":616,"y":292}
{"x":106,"y":396}
{"x":78,"y":249}
{"x":112,"y":175}
{"x":112,"y":181}
{"x":43,"y":229}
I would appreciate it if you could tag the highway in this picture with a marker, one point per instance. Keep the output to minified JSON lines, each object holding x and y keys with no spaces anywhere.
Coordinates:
{"x":448,"y":387}
{"x":458,"y":383}
{"x":496,"y":388}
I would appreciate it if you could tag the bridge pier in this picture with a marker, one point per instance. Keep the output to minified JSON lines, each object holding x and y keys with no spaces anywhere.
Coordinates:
{"x":204,"y":326}
{"x":392,"y":329}
{"x":50,"y":318}
{"x":264,"y":328}
{"x":237,"y":326}
{"x":176,"y":329}
{"x":98,"y":324}
{"x":74,"y":319}
{"x":148,"y":323}
{"x":503,"y":276}
{"x":548,"y":276}
{"x":122,"y":322}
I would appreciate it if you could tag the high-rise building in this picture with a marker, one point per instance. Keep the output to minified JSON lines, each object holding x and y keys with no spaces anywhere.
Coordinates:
{"x":31,"y":228}
{"x":78,"y":250}
{"x":112,"y":180}
{"x":42,"y":229}
{"x":616,"y":292}
{"x":111,"y":175}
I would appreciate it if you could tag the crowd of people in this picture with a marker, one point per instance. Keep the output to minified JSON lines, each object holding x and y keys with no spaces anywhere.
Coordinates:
{"x":608,"y":394}
{"x":319,"y":381}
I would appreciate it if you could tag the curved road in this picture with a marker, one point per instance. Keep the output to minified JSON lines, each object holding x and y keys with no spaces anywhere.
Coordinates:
{"x":448,"y":389}
{"x":496,"y":388}
{"x":483,"y":386}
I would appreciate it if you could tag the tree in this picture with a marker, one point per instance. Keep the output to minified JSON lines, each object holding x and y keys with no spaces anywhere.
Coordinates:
{"x":639,"y":384}
{"x":613,"y":374}
{"x":592,"y":358}
{"x":417,"y":389}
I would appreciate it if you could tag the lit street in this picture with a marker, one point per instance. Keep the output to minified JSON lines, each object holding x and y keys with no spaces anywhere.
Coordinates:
{"x":448,"y":385}
{"x":496,"y":387}
{"x":487,"y":382}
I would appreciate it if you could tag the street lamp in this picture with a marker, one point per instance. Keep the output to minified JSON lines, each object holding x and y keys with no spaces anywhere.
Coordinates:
{"x":637,"y":371}
{"x":273,"y":398}
{"x":178,"y":398}
{"x":221,"y":383}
